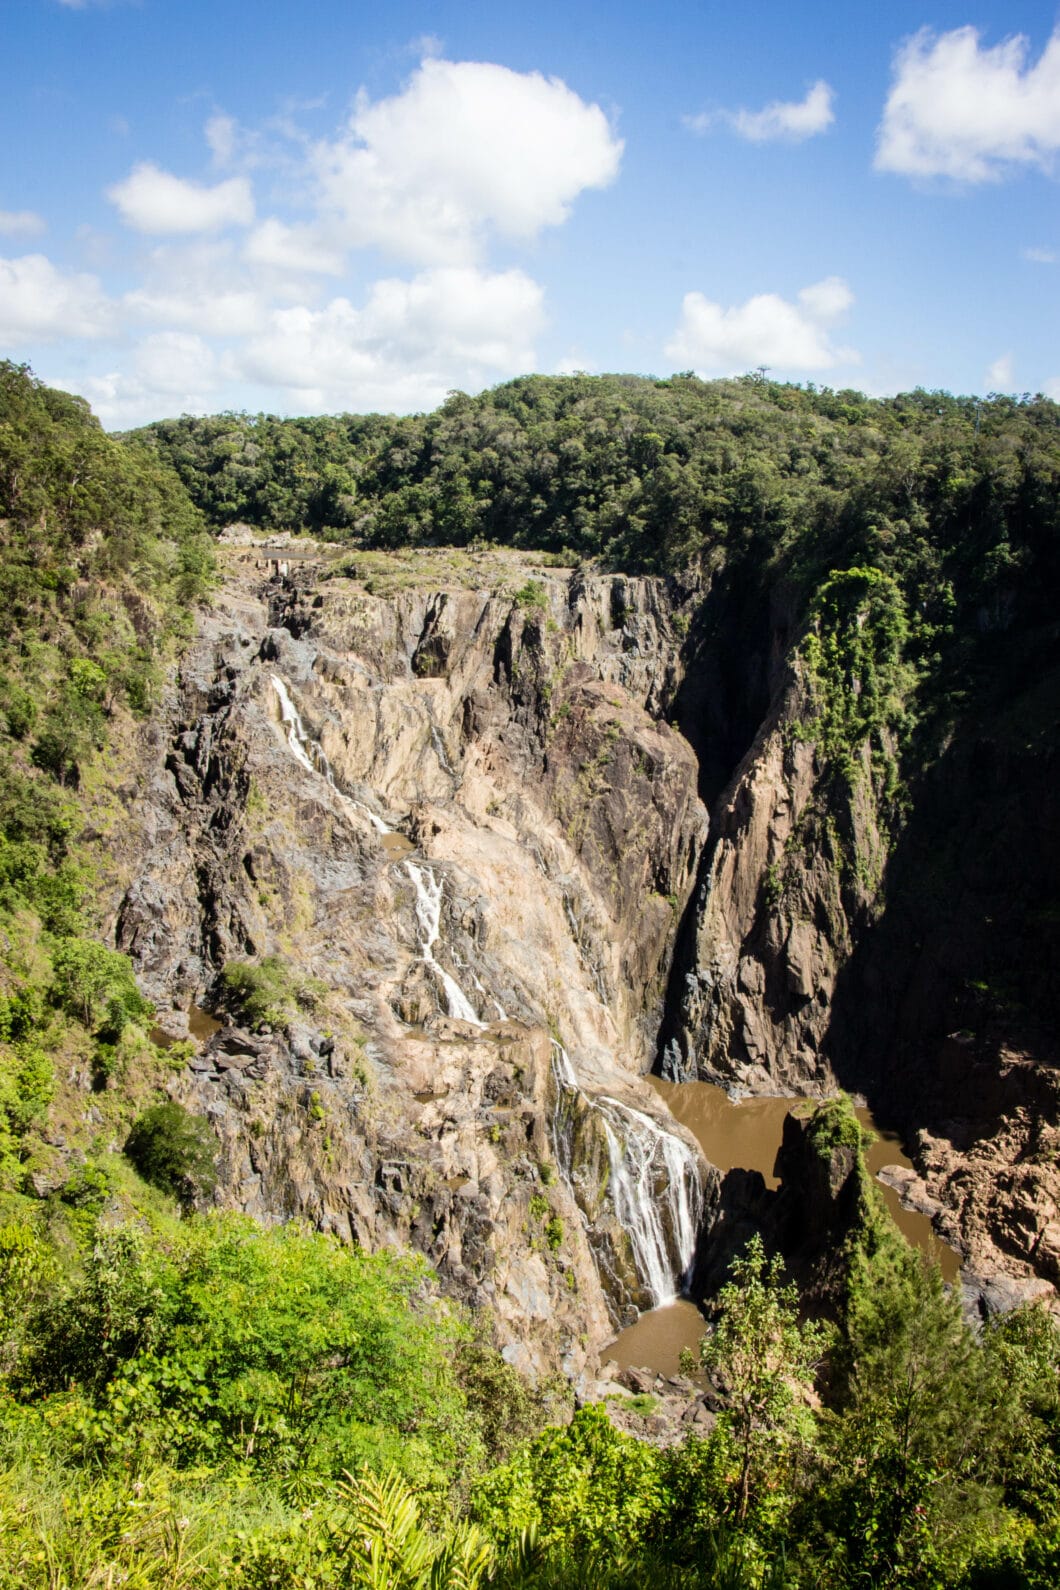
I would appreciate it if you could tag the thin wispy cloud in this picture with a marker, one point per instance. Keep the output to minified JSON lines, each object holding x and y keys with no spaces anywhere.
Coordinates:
{"x":1001,"y":377}
{"x":21,"y":223}
{"x":781,"y":121}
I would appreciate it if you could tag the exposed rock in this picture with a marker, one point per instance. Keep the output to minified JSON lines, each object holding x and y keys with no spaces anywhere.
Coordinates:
{"x":460,"y":823}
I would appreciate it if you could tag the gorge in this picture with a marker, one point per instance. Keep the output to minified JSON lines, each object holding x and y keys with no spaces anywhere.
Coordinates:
{"x":466,"y":884}
{"x":502,"y":736}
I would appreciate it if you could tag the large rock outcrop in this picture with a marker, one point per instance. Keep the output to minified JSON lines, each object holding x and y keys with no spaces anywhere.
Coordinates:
{"x":452,"y":810}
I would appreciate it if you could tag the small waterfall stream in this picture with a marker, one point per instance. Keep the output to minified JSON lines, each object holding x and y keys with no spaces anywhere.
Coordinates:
{"x":643,"y":1155}
{"x":429,"y":893}
{"x":653,"y":1182}
{"x":309,"y":753}
{"x":298,"y":741}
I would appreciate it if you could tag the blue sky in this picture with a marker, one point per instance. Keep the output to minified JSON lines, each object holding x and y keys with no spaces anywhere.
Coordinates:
{"x":334,"y":205}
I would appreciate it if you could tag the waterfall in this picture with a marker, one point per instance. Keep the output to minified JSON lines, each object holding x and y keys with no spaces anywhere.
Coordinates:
{"x":650,"y":1171}
{"x":294,"y":729}
{"x":429,"y":891}
{"x":311,"y":755}
{"x":644,"y":1155}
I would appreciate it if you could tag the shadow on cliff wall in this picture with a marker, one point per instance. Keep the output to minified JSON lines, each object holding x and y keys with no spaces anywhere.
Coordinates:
{"x":950,"y":997}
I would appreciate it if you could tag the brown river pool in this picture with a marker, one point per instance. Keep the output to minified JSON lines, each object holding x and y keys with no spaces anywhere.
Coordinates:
{"x":746,"y":1135}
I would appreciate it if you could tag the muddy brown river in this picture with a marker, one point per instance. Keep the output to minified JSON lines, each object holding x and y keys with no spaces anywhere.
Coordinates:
{"x":746,"y":1135}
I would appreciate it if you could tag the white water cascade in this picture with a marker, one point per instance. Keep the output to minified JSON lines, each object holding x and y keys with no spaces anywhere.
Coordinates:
{"x":645,"y":1156}
{"x":298,"y":741}
{"x":310,"y":754}
{"x":429,"y":892}
{"x":652,"y":1173}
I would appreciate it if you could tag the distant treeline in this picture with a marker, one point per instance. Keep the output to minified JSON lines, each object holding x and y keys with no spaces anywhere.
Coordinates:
{"x":643,"y":474}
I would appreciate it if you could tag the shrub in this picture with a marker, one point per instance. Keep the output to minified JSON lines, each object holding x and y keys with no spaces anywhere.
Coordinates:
{"x":96,"y":985}
{"x":175,"y":1151}
{"x":265,"y":994}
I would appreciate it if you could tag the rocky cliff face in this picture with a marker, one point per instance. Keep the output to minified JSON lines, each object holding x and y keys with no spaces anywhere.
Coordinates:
{"x":445,"y":800}
{"x":917,"y":967}
{"x":444,"y":792}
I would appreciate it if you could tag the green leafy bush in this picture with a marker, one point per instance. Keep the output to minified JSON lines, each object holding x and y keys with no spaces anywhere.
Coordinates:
{"x":175,"y":1151}
{"x":265,"y":993}
{"x":96,"y":985}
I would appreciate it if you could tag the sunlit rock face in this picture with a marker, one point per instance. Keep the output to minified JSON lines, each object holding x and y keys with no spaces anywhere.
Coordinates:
{"x":460,"y":797}
{"x":450,"y":804}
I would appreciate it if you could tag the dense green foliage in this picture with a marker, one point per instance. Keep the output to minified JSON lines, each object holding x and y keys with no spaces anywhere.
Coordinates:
{"x":175,"y":1151}
{"x":265,"y":993}
{"x":189,"y":1401}
{"x":102,"y":558}
{"x":200,"y":1402}
{"x":642,"y":473}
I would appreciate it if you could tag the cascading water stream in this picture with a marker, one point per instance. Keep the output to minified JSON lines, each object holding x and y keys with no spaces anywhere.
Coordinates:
{"x":651,"y":1173}
{"x":429,"y":892}
{"x":294,"y":730}
{"x":645,"y":1158}
{"x":310,"y":754}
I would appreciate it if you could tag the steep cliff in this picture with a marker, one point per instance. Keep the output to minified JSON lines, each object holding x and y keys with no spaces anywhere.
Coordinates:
{"x":441,"y":801}
{"x":881,"y":915}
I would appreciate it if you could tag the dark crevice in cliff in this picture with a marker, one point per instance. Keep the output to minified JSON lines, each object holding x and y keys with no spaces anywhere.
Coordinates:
{"x":735,"y":673}
{"x":729,"y":679}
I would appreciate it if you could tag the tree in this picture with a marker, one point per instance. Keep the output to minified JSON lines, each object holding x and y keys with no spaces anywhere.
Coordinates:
{"x":96,"y":985}
{"x":767,"y":1360}
{"x":911,"y":1465}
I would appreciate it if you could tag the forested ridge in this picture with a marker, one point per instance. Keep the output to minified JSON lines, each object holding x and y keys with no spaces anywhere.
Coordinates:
{"x":189,"y":1400}
{"x":953,"y":503}
{"x":899,"y":556}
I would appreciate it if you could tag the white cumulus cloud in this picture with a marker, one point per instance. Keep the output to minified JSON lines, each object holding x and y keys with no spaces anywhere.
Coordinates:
{"x":21,"y":223}
{"x":155,"y":201}
{"x":962,"y":110}
{"x":39,"y":303}
{"x":467,"y":147}
{"x":410,"y":343}
{"x":1041,"y":256}
{"x":766,"y":330}
{"x":782,"y":120}
{"x":278,"y":246}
